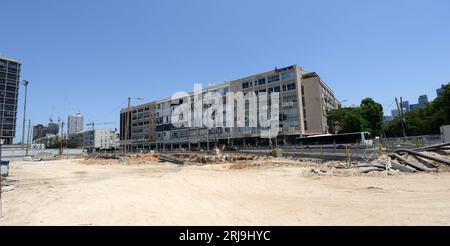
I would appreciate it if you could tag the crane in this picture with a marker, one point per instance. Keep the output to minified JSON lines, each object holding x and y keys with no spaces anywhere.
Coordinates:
{"x":92,"y":124}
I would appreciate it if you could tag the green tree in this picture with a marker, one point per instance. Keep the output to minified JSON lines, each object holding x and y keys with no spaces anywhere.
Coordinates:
{"x":393,"y":128}
{"x":346,"y":120}
{"x":425,"y":120}
{"x":373,"y":114}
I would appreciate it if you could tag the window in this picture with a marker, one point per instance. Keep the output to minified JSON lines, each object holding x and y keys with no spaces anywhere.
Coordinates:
{"x":292,"y":112}
{"x":13,"y":65}
{"x":276,"y":89}
{"x":12,"y":76}
{"x":261,"y":81}
{"x":292,"y":99}
{"x":9,"y":107}
{"x":8,"y":121}
{"x":287,"y":75}
{"x":12,"y":82}
{"x":9,"y":113}
{"x":12,"y":70}
{"x":293,"y":123}
{"x":10,"y":95}
{"x":10,"y":101}
{"x":290,"y":87}
{"x":245,"y":85}
{"x":273,"y":78}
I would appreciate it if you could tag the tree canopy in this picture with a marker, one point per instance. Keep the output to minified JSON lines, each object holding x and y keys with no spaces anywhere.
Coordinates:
{"x":422,"y":121}
{"x":367,"y":117}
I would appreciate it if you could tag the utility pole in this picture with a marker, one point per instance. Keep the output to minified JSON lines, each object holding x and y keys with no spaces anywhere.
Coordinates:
{"x":403,"y":117}
{"x":127,"y":123}
{"x":61,"y":140}
{"x":25,"y":83}
{"x":400,"y":112}
{"x":28,"y":138}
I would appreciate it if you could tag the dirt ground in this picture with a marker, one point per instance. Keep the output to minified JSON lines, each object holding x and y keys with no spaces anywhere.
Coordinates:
{"x":77,"y":192}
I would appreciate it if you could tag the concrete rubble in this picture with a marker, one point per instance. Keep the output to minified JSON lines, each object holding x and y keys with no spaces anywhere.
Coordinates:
{"x":402,"y":161}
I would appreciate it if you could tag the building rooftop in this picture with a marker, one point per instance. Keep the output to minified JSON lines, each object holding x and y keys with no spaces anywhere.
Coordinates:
{"x":9,"y":59}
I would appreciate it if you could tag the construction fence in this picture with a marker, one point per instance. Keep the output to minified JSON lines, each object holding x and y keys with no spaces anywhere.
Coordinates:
{"x":392,"y":144}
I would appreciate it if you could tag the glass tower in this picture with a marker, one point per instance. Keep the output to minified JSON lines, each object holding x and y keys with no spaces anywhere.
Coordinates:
{"x":9,"y":86}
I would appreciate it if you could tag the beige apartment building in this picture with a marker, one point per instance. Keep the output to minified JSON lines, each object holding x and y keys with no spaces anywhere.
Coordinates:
{"x":304,"y":98}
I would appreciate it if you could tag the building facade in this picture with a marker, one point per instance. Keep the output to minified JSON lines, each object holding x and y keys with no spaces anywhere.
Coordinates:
{"x":101,"y":139}
{"x":75,"y":123}
{"x":304,"y":98}
{"x":440,"y":91}
{"x":41,"y":131}
{"x":9,"y":90}
{"x":422,"y":102}
{"x":95,"y":140}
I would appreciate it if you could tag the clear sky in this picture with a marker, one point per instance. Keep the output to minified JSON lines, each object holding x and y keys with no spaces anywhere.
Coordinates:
{"x":89,"y":56}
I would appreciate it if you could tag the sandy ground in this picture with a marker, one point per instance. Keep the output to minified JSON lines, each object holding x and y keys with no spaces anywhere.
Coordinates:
{"x":76,"y":193}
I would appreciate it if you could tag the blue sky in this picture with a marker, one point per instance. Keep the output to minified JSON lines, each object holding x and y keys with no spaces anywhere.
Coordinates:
{"x":89,"y":56}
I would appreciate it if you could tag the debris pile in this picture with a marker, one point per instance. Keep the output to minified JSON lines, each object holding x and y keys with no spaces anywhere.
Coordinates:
{"x":150,"y":157}
{"x":221,"y":158}
{"x":428,"y":159}
{"x":171,"y":159}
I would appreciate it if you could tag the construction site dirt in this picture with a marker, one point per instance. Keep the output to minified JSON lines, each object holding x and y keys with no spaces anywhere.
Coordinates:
{"x":233,"y":190}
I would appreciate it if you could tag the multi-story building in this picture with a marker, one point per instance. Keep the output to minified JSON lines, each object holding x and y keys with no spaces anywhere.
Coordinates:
{"x":9,"y":88}
{"x":41,"y":131}
{"x":422,"y":102}
{"x":141,"y":125}
{"x":440,"y":91}
{"x":75,"y":123}
{"x":405,"y":106}
{"x":387,"y":119}
{"x":304,"y":98}
{"x":52,"y":129}
{"x":99,"y":139}
{"x":91,"y":140}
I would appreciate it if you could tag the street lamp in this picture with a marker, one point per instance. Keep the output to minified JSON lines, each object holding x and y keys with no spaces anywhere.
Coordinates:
{"x":25,"y":83}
